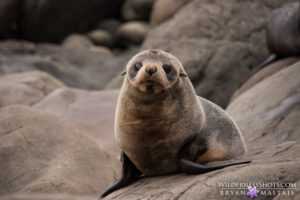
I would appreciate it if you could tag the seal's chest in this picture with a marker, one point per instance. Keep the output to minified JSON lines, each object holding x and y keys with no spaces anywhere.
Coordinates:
{"x":153,"y":153}
{"x":159,"y":158}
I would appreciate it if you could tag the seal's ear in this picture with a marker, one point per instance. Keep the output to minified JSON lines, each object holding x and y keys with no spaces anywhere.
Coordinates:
{"x":182,"y":74}
{"x":123,"y":73}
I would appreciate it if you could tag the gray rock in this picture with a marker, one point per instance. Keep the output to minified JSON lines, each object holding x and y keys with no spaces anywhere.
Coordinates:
{"x":91,"y":112}
{"x":267,"y":113}
{"x":218,"y":42}
{"x":137,"y":9}
{"x":77,"y":41}
{"x":263,"y":74}
{"x":164,"y":9}
{"x":100,"y":49}
{"x":132,"y":32}
{"x":27,"y":88}
{"x":74,"y":67}
{"x":44,"y":154}
{"x":44,"y":196}
{"x":275,"y":3}
{"x":101,"y":37}
{"x":110,"y":25}
{"x":117,"y":81}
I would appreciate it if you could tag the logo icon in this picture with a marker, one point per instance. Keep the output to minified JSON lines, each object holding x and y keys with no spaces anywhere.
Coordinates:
{"x":252,"y":192}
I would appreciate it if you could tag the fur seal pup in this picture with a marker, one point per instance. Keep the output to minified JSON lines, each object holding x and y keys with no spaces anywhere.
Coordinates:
{"x":163,"y":127}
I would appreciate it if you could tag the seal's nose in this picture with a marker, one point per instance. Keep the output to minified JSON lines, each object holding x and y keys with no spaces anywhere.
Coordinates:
{"x":150,"y":69}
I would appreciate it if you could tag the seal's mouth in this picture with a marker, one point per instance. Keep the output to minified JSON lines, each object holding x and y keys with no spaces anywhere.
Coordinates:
{"x":147,"y":82}
{"x":150,"y":86}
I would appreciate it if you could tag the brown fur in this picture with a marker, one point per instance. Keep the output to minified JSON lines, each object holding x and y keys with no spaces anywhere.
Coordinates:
{"x":217,"y":152}
{"x":158,"y":125}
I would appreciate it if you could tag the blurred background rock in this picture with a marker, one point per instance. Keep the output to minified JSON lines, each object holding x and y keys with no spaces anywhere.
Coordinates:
{"x":86,"y":44}
{"x":60,"y":66}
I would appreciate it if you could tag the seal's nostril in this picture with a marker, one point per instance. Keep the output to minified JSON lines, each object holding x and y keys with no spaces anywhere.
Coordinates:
{"x":150,"y":71}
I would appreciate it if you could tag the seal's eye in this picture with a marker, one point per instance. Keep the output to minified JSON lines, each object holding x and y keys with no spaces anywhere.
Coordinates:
{"x":138,"y":66}
{"x":167,"y":68}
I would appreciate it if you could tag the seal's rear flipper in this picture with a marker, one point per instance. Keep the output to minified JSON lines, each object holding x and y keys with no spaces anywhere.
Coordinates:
{"x":190,"y":167}
{"x":129,"y":174}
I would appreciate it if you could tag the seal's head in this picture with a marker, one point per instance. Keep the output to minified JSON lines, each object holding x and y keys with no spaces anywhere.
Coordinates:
{"x":153,"y":71}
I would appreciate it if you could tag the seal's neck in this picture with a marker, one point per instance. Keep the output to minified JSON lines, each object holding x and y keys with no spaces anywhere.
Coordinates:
{"x":146,"y":106}
{"x":139,"y":105}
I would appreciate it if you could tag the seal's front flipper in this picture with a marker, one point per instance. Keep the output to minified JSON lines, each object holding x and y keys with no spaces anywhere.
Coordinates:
{"x":129,"y":174}
{"x":190,"y":167}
